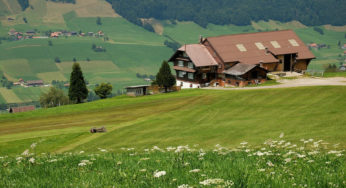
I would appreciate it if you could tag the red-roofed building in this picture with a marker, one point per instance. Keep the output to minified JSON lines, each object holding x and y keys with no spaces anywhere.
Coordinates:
{"x":21,"y":109}
{"x":214,"y":59}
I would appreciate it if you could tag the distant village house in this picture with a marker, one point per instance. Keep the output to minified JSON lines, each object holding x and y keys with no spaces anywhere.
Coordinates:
{"x":34,"y":83}
{"x":240,"y":59}
{"x":21,"y":109}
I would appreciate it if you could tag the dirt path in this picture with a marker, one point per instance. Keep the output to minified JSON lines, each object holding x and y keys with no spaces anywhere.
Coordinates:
{"x":299,"y":82}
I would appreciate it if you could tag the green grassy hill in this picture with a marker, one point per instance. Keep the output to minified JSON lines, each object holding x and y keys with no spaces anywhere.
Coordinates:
{"x":204,"y":117}
{"x":130,"y":48}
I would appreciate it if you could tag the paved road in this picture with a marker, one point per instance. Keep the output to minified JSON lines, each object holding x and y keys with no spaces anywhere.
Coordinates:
{"x":299,"y":82}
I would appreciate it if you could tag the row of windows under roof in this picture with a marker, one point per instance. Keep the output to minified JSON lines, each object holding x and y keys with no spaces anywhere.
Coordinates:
{"x":260,"y":46}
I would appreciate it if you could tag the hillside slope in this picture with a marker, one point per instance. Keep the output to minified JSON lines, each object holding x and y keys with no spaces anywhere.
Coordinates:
{"x":130,"y":49}
{"x":204,"y":117}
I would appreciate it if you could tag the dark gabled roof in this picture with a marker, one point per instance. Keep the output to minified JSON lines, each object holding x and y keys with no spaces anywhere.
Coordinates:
{"x":34,"y":82}
{"x":139,"y":86}
{"x":198,"y":54}
{"x":240,"y":69}
{"x":250,"y":48}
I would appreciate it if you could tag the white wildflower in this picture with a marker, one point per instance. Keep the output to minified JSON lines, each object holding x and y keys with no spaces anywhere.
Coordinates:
{"x":310,"y":161}
{"x":301,"y":156}
{"x":143,"y":170}
{"x":53,"y":160}
{"x":229,"y":183}
{"x":287,"y":160}
{"x":32,"y":160}
{"x":186,"y":164}
{"x":194,"y":170}
{"x":247,"y":150}
{"x":19,"y":158}
{"x":212,"y":181}
{"x":146,"y":150}
{"x":33,"y":145}
{"x":184,"y":186}
{"x":119,"y":163}
{"x":81,"y":152}
{"x":243,"y":143}
{"x":158,"y":174}
{"x":103,"y":150}
{"x":269,"y":163}
{"x":328,"y":162}
{"x":26,"y":152}
{"x":281,"y":135}
{"x":82,"y":164}
{"x":170,"y":148}
{"x":155,"y":148}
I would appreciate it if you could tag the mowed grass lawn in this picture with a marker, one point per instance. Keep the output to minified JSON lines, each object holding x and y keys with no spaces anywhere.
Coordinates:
{"x":203,"y":117}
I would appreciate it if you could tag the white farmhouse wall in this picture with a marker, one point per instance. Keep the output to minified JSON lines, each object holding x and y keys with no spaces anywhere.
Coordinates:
{"x":187,"y":85}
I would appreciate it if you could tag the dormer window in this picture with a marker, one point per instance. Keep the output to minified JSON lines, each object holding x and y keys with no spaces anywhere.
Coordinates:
{"x":190,"y":65}
{"x":180,"y":63}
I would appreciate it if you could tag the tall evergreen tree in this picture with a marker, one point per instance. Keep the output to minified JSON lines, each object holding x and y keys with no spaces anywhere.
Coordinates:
{"x":164,"y":77}
{"x":78,"y":90}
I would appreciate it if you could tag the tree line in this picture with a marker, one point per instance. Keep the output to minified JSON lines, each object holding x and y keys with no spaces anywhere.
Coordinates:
{"x":238,"y":12}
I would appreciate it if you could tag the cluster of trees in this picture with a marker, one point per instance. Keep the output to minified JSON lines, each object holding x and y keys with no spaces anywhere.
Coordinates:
{"x":65,"y":1}
{"x":319,"y":30}
{"x":173,"y":45}
{"x":59,"y":84}
{"x":238,"y":12}
{"x":77,"y":93}
{"x":143,"y":76}
{"x":24,"y":4}
{"x":5,"y":83}
{"x":98,"y":48}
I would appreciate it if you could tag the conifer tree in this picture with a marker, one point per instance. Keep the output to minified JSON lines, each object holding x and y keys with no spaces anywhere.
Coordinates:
{"x":164,"y":77}
{"x":78,"y":90}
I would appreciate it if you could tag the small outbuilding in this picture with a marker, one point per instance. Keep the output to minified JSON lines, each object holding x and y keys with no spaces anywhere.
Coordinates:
{"x":21,"y":109}
{"x":135,"y":91}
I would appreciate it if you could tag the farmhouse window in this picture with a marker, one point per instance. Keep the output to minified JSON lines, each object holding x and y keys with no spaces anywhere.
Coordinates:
{"x":204,"y":76}
{"x":182,"y":74}
{"x":190,"y":76}
{"x":190,"y":65}
{"x":180,"y":63}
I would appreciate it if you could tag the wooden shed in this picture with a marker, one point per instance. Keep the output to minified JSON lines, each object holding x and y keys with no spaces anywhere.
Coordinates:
{"x":21,"y":109}
{"x":139,"y":90}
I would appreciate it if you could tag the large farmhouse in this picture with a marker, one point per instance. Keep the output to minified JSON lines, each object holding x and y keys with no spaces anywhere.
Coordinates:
{"x":239,"y":59}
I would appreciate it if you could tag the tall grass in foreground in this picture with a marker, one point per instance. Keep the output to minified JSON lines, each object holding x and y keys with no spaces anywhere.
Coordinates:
{"x":273,"y":164}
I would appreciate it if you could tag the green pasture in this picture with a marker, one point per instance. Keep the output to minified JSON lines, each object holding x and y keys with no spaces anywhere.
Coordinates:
{"x":277,"y":163}
{"x":204,"y":117}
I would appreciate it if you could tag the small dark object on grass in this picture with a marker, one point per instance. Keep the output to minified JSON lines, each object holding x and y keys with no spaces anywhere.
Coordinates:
{"x":98,"y":130}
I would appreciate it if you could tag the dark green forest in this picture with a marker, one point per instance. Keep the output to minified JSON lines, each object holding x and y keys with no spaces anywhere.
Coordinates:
{"x":238,"y":12}
{"x":23,"y":3}
{"x":65,"y":1}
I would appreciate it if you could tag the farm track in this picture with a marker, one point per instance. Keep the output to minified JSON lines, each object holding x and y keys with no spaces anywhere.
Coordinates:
{"x":299,"y":82}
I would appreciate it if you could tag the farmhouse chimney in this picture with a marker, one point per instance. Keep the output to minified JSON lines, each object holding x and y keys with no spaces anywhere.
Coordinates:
{"x":200,"y":39}
{"x":267,"y":50}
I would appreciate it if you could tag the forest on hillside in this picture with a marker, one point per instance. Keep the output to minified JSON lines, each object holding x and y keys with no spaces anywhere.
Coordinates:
{"x":238,"y":12}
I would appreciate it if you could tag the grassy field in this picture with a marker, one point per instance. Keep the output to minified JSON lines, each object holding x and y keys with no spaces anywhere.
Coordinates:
{"x":188,"y":117}
{"x":270,"y":137}
{"x":277,"y":163}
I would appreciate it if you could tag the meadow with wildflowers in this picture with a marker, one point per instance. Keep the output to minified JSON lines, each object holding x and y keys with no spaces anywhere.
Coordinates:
{"x":276,"y":163}
{"x":291,"y":137}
